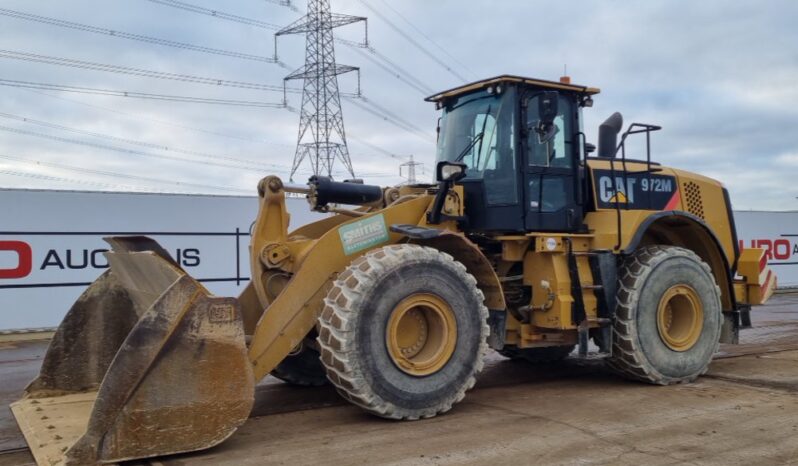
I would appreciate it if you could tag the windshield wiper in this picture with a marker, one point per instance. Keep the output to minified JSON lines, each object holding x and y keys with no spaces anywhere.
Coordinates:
{"x":470,"y":145}
{"x":482,"y":137}
{"x":476,"y":139}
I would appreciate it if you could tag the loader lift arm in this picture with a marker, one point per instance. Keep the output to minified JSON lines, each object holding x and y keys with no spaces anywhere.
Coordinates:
{"x":294,"y":312}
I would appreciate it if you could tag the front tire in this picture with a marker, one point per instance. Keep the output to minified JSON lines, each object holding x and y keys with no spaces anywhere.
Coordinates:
{"x":668,"y":317}
{"x":404,"y":332}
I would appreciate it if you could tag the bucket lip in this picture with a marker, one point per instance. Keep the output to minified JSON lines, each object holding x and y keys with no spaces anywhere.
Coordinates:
{"x":44,"y":442}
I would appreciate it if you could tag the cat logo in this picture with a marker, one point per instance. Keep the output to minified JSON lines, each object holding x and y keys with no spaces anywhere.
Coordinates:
{"x":620,"y":192}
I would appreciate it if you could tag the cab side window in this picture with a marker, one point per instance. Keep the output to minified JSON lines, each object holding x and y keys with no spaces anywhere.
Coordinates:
{"x":551,"y":162}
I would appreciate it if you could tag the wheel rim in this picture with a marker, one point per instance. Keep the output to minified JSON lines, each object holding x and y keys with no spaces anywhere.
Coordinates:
{"x":421,"y":334}
{"x":680,"y":318}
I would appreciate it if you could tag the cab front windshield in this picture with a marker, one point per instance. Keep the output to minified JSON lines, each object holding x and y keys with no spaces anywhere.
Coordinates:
{"x":478,"y":130}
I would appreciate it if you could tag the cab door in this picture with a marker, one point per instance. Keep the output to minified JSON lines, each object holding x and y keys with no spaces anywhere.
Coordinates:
{"x":550,"y":173}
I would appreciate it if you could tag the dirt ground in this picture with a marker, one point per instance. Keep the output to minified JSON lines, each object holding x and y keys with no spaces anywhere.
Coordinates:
{"x":745,"y":411}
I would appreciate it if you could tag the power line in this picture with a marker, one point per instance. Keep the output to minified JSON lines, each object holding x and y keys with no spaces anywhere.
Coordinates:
{"x":118,"y":187}
{"x":249,"y":163}
{"x":390,"y":117}
{"x":283,"y":169}
{"x":427,"y":90}
{"x":217,"y":14}
{"x":397,"y":71}
{"x":377,"y":175}
{"x":240,"y":19}
{"x":124,"y":150}
{"x":390,"y":71}
{"x":40,"y":176}
{"x":130,"y":36}
{"x":429,"y":39}
{"x":378,"y":111}
{"x":253,"y":22}
{"x":163,"y":147}
{"x":50,"y":60}
{"x":205,"y":130}
{"x":415,"y":43}
{"x":285,"y":3}
{"x":387,"y":119}
{"x":119,"y":175}
{"x":157,"y":121}
{"x":376,"y":148}
{"x":57,"y":87}
{"x":138,"y":95}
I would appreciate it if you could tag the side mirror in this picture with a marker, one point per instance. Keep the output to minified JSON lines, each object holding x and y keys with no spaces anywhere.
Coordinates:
{"x":451,"y":171}
{"x":548,"y":108}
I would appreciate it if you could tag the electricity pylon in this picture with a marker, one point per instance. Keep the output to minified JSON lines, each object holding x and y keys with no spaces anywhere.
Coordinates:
{"x":322,"y":138}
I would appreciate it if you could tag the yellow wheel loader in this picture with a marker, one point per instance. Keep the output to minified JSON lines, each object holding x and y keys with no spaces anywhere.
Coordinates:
{"x":529,"y":244}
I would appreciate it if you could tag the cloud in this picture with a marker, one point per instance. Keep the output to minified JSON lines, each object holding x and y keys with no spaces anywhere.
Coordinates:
{"x":719,"y":76}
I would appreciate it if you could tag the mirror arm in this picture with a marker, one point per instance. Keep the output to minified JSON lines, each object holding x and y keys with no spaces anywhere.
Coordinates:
{"x":435,"y":214}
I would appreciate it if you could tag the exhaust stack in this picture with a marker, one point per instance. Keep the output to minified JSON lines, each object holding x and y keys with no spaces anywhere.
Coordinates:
{"x":608,"y":135}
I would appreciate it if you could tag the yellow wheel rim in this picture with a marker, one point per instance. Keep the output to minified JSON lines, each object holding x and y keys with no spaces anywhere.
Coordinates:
{"x":421,"y":334}
{"x":680,"y":318}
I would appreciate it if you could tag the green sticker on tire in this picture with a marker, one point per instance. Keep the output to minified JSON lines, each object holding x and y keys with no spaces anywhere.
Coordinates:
{"x":363,"y":234}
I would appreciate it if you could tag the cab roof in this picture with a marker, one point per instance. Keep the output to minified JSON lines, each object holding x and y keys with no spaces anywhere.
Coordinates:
{"x":542,"y":83}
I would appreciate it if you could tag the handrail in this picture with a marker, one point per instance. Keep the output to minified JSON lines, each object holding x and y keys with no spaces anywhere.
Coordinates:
{"x":634,"y":128}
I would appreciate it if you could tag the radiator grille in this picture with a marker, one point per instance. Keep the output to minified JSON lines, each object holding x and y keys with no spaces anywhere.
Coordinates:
{"x":692,"y":194}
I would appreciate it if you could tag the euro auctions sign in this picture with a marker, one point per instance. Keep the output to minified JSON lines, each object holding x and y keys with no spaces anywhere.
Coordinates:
{"x":777,"y":234}
{"x":51,"y":243}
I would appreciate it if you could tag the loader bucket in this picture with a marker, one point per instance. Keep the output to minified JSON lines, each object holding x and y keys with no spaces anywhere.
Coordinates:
{"x":146,"y":363}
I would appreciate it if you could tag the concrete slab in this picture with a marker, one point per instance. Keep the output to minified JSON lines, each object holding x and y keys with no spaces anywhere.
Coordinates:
{"x":778,"y":369}
{"x":572,"y":413}
{"x":595,"y":419}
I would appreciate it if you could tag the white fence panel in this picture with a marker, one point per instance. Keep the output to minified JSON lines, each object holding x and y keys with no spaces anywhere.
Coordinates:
{"x":51,"y":243}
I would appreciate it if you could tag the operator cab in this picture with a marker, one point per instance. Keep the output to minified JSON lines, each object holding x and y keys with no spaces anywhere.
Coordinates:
{"x":519,"y":140}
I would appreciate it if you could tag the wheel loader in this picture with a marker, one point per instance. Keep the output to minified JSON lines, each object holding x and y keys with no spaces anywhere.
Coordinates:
{"x":531,"y":241}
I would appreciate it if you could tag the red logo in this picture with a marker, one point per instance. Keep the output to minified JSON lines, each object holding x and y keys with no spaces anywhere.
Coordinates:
{"x":24,"y":262}
{"x":779,"y":249}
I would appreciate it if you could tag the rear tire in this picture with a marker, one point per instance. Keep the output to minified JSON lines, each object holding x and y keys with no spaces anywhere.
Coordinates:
{"x":668,"y":318}
{"x":545,"y":355}
{"x":404,"y":332}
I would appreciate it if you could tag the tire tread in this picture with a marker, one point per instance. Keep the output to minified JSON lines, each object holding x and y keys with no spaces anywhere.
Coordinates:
{"x":339,"y":351}
{"x":628,"y":358}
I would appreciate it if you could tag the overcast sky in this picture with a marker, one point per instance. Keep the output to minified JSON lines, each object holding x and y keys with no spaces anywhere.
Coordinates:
{"x":721,"y":77}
